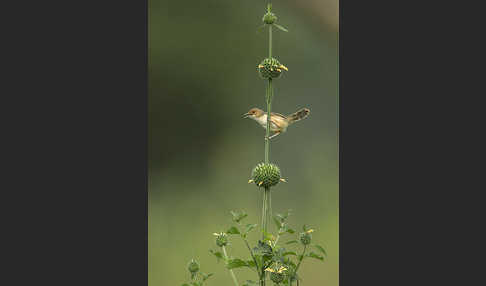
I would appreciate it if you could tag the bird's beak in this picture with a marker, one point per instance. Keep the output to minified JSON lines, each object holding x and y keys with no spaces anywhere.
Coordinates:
{"x":246,"y":115}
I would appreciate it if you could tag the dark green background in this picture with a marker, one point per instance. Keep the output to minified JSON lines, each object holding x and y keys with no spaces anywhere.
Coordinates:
{"x":202,"y":78}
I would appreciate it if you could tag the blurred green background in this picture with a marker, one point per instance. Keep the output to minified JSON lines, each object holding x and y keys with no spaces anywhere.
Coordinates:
{"x":202,"y":78}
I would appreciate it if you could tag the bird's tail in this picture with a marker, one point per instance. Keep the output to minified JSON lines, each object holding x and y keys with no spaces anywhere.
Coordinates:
{"x":301,"y":114}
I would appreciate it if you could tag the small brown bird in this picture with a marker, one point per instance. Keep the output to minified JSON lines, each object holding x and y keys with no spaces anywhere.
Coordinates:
{"x":278,"y":122}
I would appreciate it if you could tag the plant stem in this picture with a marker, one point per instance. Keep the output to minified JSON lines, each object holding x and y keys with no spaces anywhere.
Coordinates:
{"x":230,"y":270}
{"x":298,"y":265}
{"x":252,"y":256}
{"x":301,"y":258}
{"x":266,"y":192}
{"x":269,"y":41}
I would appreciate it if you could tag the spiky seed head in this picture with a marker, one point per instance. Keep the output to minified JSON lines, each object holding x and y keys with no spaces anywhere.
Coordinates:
{"x":277,"y":277}
{"x":266,"y":175}
{"x":270,"y":68}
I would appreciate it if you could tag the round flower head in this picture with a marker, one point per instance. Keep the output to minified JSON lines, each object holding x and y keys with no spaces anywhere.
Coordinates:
{"x":277,"y":275}
{"x":193,"y":266}
{"x":271,"y":68}
{"x":306,"y":237}
{"x":266,"y":175}
{"x":221,"y":239}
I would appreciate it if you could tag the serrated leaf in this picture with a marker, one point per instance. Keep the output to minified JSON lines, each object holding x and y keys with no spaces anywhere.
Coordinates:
{"x":280,"y":27}
{"x":233,"y":230}
{"x":250,"y":227}
{"x":218,"y":254}
{"x":237,"y":217}
{"x":236,"y":263}
{"x":316,"y":256}
{"x":292,"y":241}
{"x":321,"y":249}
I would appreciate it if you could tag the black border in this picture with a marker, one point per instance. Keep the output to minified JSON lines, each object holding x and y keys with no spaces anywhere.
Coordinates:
{"x":75,"y":191}
{"x":75,"y":155}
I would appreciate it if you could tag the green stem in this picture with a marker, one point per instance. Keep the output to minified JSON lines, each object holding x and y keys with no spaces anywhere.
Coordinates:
{"x":298,"y":265}
{"x":270,"y":41}
{"x":230,"y":270}
{"x":252,"y":256}
{"x":266,"y":192}
{"x":301,"y":258}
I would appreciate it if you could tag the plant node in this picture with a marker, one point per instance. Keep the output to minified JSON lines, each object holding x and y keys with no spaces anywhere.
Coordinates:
{"x":271,"y":68}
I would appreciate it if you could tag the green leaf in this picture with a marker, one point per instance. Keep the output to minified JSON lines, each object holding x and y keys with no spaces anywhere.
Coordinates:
{"x":291,"y":231}
{"x":289,"y":253}
{"x":280,"y":27}
{"x":185,"y":284}
{"x":206,"y":276}
{"x":250,"y":263}
{"x":321,"y":249}
{"x":233,"y":230}
{"x":249,"y":227}
{"x":292,"y":241}
{"x":250,"y":283}
{"x":278,"y":223}
{"x":237,"y":217}
{"x":304,"y":228}
{"x":236,"y":263}
{"x":218,"y":254}
{"x":316,"y":256}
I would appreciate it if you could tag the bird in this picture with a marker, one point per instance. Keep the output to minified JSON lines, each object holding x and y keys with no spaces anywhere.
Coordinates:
{"x":278,"y":122}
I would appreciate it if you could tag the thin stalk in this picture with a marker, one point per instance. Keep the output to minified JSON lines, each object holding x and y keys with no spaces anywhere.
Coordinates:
{"x":230,"y":270}
{"x":266,"y":192}
{"x":276,"y":240}
{"x":252,"y":256}
{"x":270,"y":41}
{"x":298,"y":265}
{"x":264,"y":214}
{"x":301,"y":258}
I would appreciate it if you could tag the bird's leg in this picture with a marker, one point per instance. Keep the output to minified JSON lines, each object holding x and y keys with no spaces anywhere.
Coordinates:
{"x":274,"y":134}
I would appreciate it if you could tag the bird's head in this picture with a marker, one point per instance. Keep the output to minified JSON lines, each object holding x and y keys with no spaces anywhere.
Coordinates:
{"x":254,"y":113}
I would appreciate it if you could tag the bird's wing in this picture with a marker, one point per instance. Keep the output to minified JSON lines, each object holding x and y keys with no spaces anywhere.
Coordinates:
{"x":279,"y":115}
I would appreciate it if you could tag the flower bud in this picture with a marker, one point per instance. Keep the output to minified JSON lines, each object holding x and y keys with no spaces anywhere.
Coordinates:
{"x":193,"y":266}
{"x":305,"y":238}
{"x":221,"y":239}
{"x":266,"y":175}
{"x":269,"y":18}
